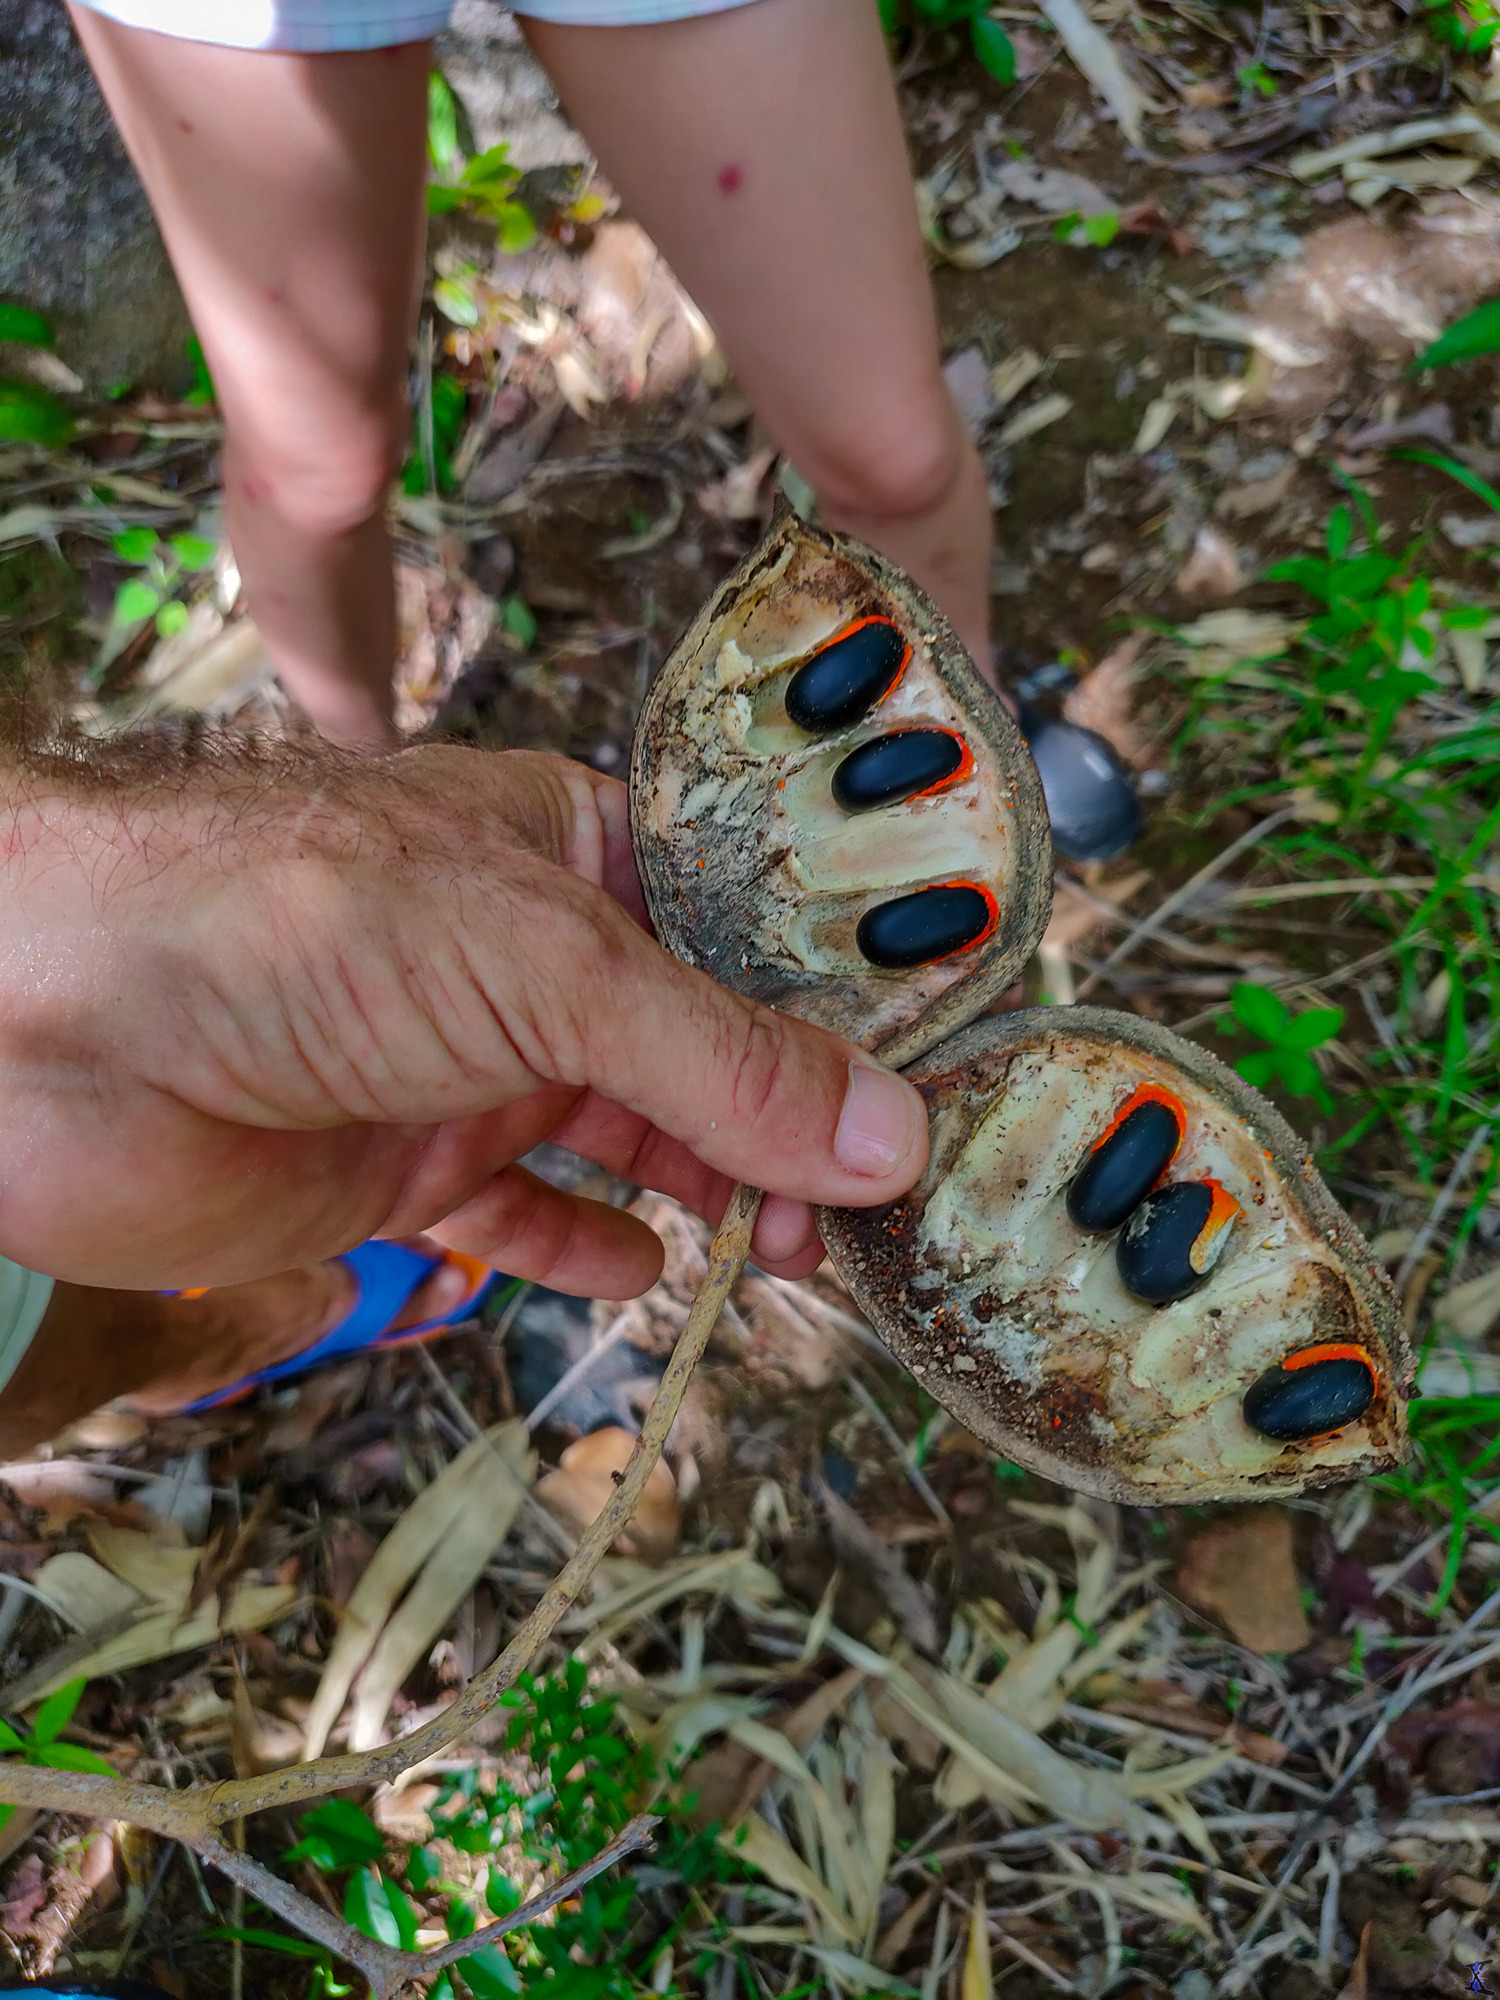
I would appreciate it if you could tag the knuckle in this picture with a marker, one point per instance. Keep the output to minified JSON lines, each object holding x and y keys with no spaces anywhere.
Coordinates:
{"x":759,"y":1060}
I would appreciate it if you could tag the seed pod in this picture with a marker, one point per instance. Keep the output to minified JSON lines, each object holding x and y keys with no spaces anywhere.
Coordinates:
{"x":1312,"y":1392}
{"x":776,"y":850}
{"x":845,"y":676}
{"x":906,"y":764}
{"x":925,"y":927}
{"x":1133,"y":1153}
{"x":1174,"y":1240}
{"x":1017,"y":1320}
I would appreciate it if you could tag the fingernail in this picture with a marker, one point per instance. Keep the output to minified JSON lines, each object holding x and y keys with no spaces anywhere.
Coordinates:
{"x":877,"y":1124}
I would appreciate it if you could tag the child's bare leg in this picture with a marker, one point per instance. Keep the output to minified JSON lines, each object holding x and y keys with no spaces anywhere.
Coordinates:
{"x":762,"y":149}
{"x":162,"y":1352}
{"x":289,"y":192}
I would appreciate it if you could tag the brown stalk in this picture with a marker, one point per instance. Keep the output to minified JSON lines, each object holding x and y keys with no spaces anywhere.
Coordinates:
{"x":195,"y":1814}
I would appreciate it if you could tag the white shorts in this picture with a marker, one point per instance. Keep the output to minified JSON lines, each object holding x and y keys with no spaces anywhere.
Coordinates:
{"x":318,"y":27}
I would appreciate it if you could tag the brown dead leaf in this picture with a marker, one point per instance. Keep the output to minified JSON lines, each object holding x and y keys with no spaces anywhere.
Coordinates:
{"x":227,"y":1555}
{"x":1168,"y":1707}
{"x":1241,"y":1570}
{"x":1212,"y":573}
{"x":1149,"y":218}
{"x":585,"y":1479}
{"x":1105,"y":701}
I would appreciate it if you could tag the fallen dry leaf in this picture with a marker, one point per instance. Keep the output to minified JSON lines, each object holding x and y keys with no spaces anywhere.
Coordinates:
{"x":1241,"y":1570}
{"x":586,"y":1476}
{"x":1212,"y":573}
{"x":1105,"y":701}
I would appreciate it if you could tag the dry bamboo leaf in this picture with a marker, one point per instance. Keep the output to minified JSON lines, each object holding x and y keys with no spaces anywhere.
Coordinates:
{"x":1015,"y":373}
{"x":161,"y":1571}
{"x":1070,"y":1791}
{"x":858,"y":1974}
{"x":756,"y":1843}
{"x":1096,"y":55}
{"x":1166,"y":1779}
{"x":1035,"y":417}
{"x":421,"y":1528}
{"x":157,"y":1634}
{"x":1471,"y":1310}
{"x":979,"y":1975}
{"x":83,"y":1591}
{"x":607,"y":1617}
{"x":1377,"y":145}
{"x":1159,"y":1895}
{"x":494,"y":1484}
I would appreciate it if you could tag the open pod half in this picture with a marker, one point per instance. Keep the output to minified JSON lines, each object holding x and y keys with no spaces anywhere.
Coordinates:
{"x":1121,"y":1270}
{"x":831,"y":811}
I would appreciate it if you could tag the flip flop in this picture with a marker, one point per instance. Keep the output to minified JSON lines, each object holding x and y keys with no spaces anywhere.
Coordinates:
{"x":385,"y":1276}
{"x":72,"y":1989}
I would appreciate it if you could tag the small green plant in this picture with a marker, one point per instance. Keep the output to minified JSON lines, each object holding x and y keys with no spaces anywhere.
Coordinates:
{"x":41,"y":1745}
{"x":1457,"y":1470}
{"x":201,"y":392}
{"x":1257,"y":78}
{"x":30,"y":414}
{"x":484,"y":183}
{"x":585,"y":1778}
{"x":1467,"y":27}
{"x":165,"y":566}
{"x":988,"y":40}
{"x":437,"y":424}
{"x":1095,"y":232}
{"x":1290,"y":1039}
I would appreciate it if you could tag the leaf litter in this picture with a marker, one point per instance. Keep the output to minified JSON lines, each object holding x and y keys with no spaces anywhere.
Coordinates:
{"x":1010,"y":1740}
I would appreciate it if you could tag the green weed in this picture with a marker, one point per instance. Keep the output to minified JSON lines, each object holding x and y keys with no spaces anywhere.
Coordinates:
{"x":483,"y":183}
{"x":30,"y":414}
{"x":1290,"y":1039}
{"x":1398,"y":788}
{"x":41,"y":1744}
{"x":1467,"y":27}
{"x":165,"y":567}
{"x":989,"y":42}
{"x":575,"y":1776}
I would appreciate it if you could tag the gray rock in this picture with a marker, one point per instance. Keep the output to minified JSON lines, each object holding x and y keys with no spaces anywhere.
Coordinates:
{"x":504,"y":90}
{"x":77,"y":238}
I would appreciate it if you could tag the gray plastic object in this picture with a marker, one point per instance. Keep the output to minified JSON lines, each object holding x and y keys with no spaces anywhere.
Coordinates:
{"x":1090,"y":800}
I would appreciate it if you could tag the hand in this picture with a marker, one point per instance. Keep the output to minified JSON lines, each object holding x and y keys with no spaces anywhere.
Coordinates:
{"x":251,"y":1015}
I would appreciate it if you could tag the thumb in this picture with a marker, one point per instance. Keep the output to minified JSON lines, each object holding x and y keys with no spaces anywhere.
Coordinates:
{"x":754,"y":1093}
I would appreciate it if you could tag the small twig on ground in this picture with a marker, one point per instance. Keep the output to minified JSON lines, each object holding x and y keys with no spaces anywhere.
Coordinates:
{"x":1148,"y":926}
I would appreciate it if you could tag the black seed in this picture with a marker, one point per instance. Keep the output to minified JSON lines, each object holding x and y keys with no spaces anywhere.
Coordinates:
{"x":917,"y":929}
{"x":1091,"y":801}
{"x":846,"y":677}
{"x":1154,"y":1252}
{"x":894,"y":767}
{"x":1290,"y":1404}
{"x":1122,"y":1170}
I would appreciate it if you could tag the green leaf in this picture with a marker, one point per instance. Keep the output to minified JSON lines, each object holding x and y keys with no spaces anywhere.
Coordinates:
{"x":492,"y":168}
{"x":1298,"y":1072}
{"x":515,"y":226}
{"x":134,"y":600}
{"x":501,"y":1894}
{"x":1465,"y":617}
{"x":519,"y":620}
{"x":1259,"y":1067}
{"x":337,"y":1835}
{"x":9,"y":1738}
{"x":890,"y":15}
{"x":20,"y":323}
{"x":1340,"y":531}
{"x":72,"y":1757}
{"x":1262,"y":1012}
{"x":367,"y":1908}
{"x":172,"y":619}
{"x":994,"y":48}
{"x":1477,"y":333}
{"x":442,"y":124}
{"x":56,"y":1712}
{"x":1312,"y":1028}
{"x":455,"y":302}
{"x":1441,"y":462}
{"x":193,"y":551}
{"x":135,"y":545}
{"x":32,"y":415}
{"x":267,"y":1940}
{"x":443,"y":200}
{"x":423,"y":1867}
{"x":489,"y":1974}
{"x":202,"y":393}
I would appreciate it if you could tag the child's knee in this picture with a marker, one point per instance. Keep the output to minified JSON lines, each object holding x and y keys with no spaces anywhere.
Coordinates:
{"x":329,"y":481}
{"x":899,"y":468}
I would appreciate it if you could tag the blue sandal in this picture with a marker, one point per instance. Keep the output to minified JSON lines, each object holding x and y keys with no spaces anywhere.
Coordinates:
{"x":385,"y":1275}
